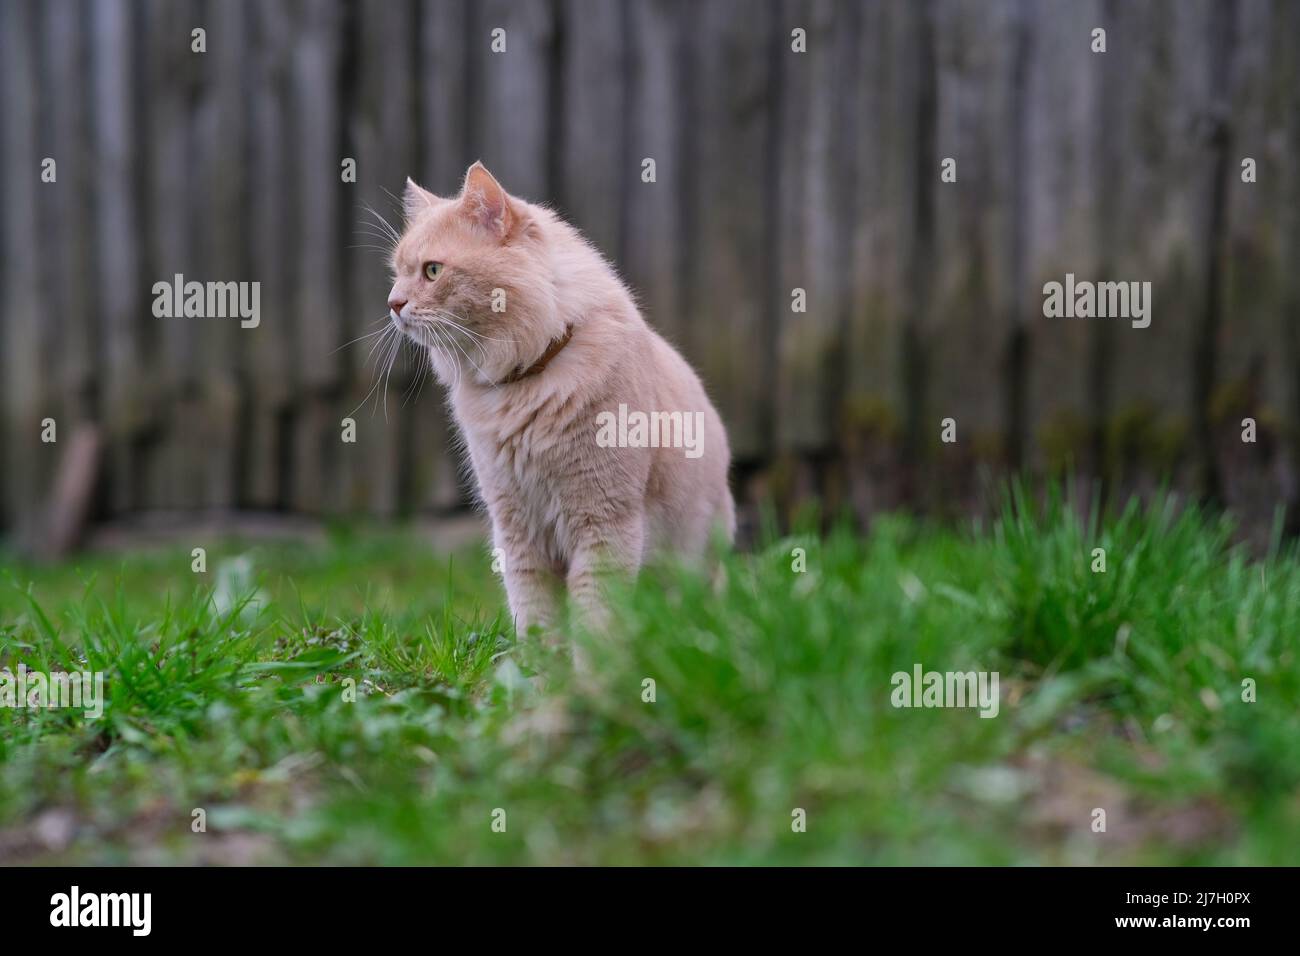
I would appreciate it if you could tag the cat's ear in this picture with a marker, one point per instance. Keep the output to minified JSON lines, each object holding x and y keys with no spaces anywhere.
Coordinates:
{"x":485,"y":202}
{"x":416,"y":200}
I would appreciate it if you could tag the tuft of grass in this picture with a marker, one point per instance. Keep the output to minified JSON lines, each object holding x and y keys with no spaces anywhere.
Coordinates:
{"x":366,"y":701}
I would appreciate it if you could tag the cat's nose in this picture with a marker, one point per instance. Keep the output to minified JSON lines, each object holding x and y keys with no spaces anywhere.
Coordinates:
{"x":396,"y":304}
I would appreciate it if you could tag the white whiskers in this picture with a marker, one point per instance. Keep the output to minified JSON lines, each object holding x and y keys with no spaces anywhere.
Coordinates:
{"x":389,"y":341}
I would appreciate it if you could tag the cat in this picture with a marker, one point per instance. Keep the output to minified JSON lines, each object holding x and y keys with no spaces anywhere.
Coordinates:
{"x":542,"y":348}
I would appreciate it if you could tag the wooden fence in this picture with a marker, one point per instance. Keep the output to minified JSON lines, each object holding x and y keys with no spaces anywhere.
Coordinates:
{"x":776,"y":170}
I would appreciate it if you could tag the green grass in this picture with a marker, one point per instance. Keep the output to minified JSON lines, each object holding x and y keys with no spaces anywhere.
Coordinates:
{"x":229,"y":691}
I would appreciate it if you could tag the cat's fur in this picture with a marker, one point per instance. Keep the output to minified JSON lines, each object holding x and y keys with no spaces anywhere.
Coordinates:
{"x":563,"y":509}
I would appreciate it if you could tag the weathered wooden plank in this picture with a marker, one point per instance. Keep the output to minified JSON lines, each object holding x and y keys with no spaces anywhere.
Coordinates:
{"x":872,"y":411}
{"x":918,"y":108}
{"x":1050,"y":187}
{"x":382,"y":132}
{"x":221,"y":138}
{"x":446,"y":97}
{"x":1109,"y":242}
{"x":595,"y":170}
{"x":729,"y":306}
{"x":117,"y":230}
{"x":69,"y":351}
{"x":654,"y":245}
{"x":1290,"y":251}
{"x":316,"y":64}
{"x":1210,"y":241}
{"x":816,"y":186}
{"x":980,"y":323}
{"x":172,"y":476}
{"x":1017,"y":299}
{"x":1254,"y":372}
{"x":22,"y":311}
{"x":271,"y":358}
{"x":51,"y":321}
{"x":317,"y":276}
{"x":1164,"y":54}
{"x":514,"y":116}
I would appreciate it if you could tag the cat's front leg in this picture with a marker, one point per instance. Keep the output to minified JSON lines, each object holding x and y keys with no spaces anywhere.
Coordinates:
{"x":532,"y":587}
{"x":603,"y":549}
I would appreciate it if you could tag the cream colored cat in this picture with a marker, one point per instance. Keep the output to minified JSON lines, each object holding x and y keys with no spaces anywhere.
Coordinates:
{"x":539,"y":344}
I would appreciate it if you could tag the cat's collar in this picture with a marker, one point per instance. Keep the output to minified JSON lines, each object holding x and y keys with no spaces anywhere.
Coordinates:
{"x":552,"y":350}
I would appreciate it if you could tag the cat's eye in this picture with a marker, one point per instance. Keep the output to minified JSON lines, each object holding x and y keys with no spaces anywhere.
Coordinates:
{"x":431,"y":270}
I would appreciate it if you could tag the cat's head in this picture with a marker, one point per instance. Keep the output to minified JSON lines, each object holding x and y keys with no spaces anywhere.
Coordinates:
{"x":473,"y":280}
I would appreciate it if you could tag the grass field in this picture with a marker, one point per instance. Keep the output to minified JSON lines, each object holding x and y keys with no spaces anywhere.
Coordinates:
{"x":230,"y":692}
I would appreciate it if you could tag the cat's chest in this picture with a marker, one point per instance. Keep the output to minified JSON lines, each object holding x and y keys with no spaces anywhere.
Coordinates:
{"x":528,"y":484}
{"x":521,"y":450}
